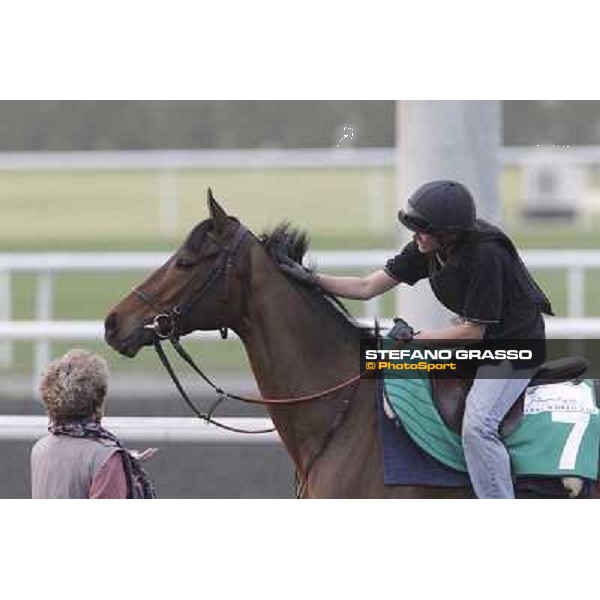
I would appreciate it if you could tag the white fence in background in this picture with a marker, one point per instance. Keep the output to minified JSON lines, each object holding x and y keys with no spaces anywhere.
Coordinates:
{"x":155,"y":429}
{"x":46,"y":266}
{"x":177,"y":160}
{"x":187,"y":429}
{"x":254,"y":158}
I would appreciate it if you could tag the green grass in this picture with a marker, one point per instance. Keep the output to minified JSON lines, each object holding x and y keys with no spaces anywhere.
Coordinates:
{"x":117,"y":210}
{"x":121,"y":211}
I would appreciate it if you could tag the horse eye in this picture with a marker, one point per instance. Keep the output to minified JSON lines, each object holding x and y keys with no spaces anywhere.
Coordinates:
{"x":184,"y":263}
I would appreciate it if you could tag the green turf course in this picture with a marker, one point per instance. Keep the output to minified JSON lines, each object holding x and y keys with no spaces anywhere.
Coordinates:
{"x":113,"y":211}
{"x":121,"y":210}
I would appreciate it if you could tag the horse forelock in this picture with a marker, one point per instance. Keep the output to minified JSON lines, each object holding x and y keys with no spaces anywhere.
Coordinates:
{"x":195,"y":238}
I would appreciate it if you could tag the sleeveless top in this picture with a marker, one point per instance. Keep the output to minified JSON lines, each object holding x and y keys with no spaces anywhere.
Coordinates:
{"x":64,"y":467}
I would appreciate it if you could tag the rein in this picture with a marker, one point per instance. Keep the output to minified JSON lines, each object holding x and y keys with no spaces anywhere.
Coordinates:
{"x":204,"y":416}
{"x":263,"y":401}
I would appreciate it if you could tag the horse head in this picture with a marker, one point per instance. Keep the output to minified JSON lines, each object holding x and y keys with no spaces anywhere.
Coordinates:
{"x":203,"y":270}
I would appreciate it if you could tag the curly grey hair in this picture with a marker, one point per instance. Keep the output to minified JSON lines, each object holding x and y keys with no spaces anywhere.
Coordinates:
{"x":74,"y":386}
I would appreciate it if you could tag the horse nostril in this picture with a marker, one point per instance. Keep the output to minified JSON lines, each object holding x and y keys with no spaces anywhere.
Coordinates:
{"x":110,"y":324}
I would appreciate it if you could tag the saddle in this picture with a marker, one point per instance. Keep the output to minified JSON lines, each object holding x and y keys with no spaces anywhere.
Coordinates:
{"x":449,"y":395}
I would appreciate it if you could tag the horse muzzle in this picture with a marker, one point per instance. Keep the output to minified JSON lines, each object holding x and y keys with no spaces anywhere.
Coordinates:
{"x":126,"y":342}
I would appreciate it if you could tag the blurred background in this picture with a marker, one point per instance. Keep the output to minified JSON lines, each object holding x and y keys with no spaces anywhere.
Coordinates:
{"x":83,"y":180}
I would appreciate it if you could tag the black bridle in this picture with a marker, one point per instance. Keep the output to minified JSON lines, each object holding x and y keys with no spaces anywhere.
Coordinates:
{"x":165,"y":323}
{"x":166,"y":326}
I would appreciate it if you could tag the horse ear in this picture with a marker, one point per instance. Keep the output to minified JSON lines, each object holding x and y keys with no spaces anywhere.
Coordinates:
{"x":217,"y":214}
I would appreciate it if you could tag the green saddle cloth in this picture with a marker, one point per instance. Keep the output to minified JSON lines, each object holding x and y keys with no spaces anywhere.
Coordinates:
{"x":559,"y":434}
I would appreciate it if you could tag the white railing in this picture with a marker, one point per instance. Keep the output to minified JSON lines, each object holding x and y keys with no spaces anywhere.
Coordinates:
{"x":558,"y":328}
{"x":170,"y":160}
{"x":188,"y":429}
{"x":253,"y":158}
{"x":155,"y":429}
{"x":47,"y":265}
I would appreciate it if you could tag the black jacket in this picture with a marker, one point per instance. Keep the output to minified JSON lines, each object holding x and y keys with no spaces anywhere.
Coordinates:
{"x":482,"y":279}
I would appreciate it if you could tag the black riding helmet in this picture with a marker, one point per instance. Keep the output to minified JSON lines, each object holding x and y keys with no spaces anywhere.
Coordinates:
{"x":439,"y":206}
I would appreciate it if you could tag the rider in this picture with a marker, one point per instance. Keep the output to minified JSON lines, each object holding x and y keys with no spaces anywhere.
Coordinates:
{"x":475,"y":271}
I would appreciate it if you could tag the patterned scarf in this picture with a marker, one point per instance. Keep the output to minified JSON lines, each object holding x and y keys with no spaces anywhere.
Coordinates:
{"x":138,"y":482}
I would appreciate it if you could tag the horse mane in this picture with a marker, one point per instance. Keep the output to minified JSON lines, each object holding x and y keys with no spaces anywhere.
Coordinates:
{"x":289,"y":242}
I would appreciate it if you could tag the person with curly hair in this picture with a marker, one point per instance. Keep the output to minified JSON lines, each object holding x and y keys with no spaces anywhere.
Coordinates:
{"x":79,"y":458}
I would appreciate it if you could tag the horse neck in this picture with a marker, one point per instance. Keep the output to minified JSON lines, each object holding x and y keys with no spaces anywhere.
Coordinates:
{"x":293,"y":349}
{"x":296,"y":351}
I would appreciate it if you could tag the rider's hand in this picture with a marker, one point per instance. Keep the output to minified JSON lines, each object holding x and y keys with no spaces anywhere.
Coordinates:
{"x":402,"y":330}
{"x":298,"y":272}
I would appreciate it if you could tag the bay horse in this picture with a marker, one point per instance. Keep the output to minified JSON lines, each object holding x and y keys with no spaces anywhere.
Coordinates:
{"x":301,"y":344}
